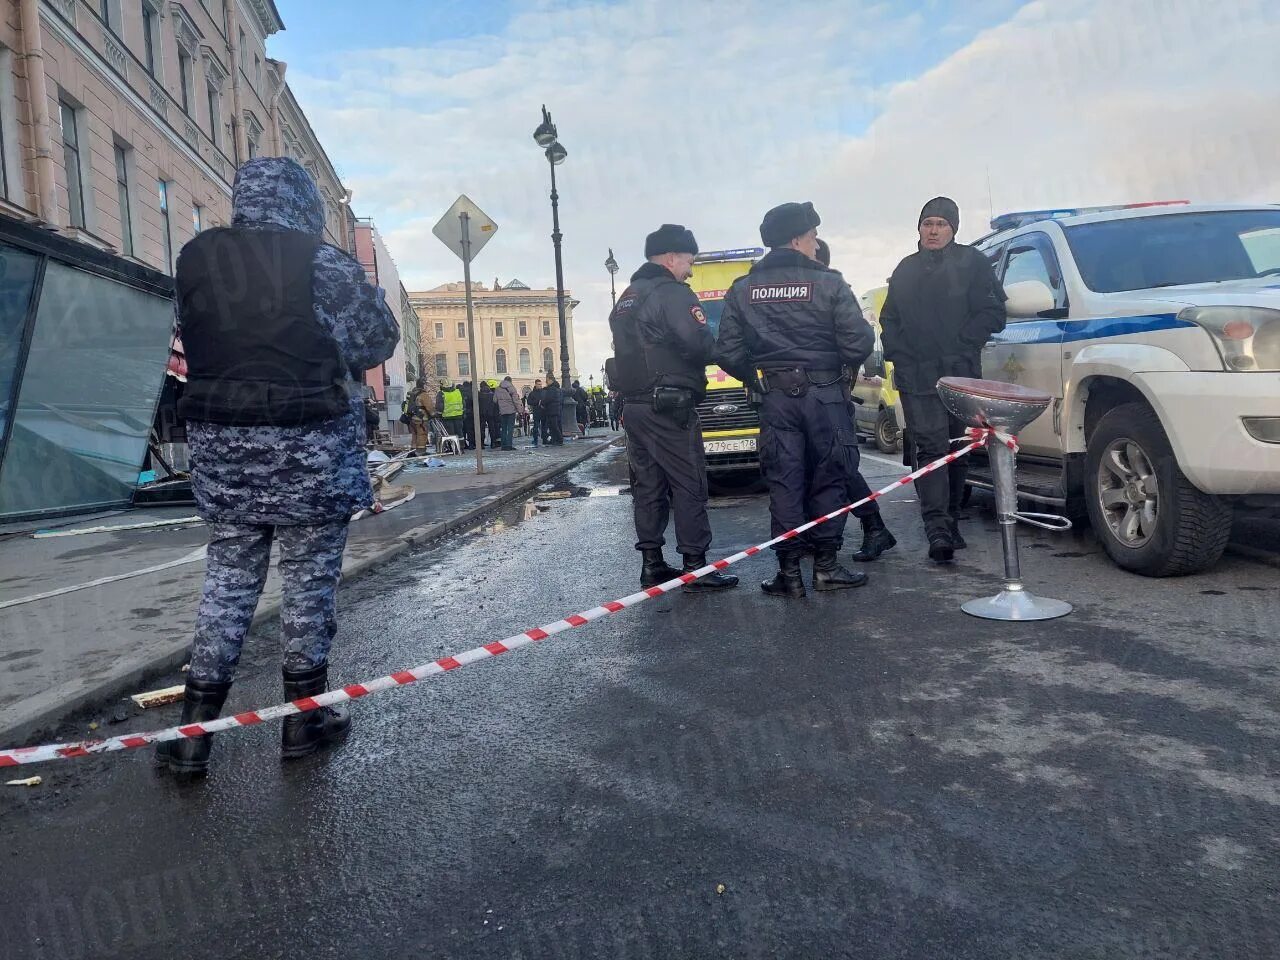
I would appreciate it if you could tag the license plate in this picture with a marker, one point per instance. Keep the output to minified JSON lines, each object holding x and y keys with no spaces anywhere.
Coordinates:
{"x":745,"y":445}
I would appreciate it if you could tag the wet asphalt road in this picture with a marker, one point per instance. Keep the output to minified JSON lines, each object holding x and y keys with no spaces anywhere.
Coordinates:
{"x":866,"y":774}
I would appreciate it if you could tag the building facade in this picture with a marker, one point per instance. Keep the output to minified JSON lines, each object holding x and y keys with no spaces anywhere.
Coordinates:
{"x":122,"y":122}
{"x":392,"y":378}
{"x":517,"y":332}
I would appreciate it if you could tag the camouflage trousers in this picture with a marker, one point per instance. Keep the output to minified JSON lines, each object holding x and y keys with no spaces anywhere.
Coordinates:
{"x":310,"y":567}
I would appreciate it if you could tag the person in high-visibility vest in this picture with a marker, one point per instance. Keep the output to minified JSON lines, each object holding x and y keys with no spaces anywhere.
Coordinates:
{"x":450,"y":404}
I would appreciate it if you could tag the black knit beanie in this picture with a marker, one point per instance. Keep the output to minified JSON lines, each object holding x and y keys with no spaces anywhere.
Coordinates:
{"x":943,"y":207}
{"x":669,"y":238}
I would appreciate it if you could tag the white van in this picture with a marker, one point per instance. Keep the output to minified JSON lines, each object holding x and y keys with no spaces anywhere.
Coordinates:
{"x":1156,"y":328}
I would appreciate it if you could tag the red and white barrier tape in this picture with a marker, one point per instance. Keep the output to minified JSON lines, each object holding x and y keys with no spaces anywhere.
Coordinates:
{"x":402,"y":678}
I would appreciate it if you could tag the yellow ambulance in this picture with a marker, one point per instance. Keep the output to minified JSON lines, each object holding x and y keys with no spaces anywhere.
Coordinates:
{"x":730,"y":422}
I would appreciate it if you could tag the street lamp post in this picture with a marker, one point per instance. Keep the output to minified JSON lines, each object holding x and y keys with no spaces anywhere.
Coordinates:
{"x":545,"y":137}
{"x":612,"y":266}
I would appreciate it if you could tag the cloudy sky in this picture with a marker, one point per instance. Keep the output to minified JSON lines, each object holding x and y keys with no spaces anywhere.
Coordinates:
{"x":709,"y":112}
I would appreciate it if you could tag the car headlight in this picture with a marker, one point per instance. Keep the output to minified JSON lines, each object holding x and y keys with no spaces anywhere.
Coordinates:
{"x":1247,"y":337}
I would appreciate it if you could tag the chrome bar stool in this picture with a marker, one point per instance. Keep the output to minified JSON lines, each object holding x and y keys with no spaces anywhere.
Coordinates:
{"x":1007,"y":408}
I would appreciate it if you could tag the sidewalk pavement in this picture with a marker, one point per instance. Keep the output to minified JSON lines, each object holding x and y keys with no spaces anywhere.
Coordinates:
{"x":100,"y":641}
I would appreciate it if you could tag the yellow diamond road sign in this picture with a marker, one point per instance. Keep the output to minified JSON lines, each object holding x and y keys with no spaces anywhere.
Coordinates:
{"x":449,"y":229}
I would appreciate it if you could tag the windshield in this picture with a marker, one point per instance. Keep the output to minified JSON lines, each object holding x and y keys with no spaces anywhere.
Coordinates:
{"x":1175,"y":249}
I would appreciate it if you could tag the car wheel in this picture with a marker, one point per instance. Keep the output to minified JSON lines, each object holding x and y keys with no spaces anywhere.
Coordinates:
{"x":887,"y":432}
{"x":1148,"y":515}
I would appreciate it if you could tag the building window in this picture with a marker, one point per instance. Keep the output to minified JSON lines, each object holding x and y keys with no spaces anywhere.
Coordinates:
{"x":257,"y":71}
{"x":122,"y":194}
{"x":150,"y":38}
{"x":214,"y":119}
{"x":462,"y":330}
{"x":548,"y":360}
{"x":108,"y":15}
{"x":464,"y":365}
{"x":525,"y":361}
{"x":184,"y":79}
{"x":546,"y":328}
{"x":500,"y":361}
{"x":166,"y":229}
{"x":442,"y":365}
{"x":439,"y":331}
{"x":197,"y":217}
{"x":71,"y":162}
{"x":244,"y":44}
{"x":497,"y":328}
{"x":522,"y":328}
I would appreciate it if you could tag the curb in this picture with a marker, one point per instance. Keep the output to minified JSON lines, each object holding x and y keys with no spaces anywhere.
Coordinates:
{"x":62,"y":705}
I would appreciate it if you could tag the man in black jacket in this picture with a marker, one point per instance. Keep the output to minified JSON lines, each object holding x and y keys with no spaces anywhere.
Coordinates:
{"x":944,"y":303}
{"x":552,"y":411}
{"x":798,"y":324}
{"x":662,"y":346}
{"x":534,"y":402}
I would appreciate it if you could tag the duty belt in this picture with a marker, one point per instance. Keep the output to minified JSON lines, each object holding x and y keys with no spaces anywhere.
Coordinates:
{"x":795,"y":381}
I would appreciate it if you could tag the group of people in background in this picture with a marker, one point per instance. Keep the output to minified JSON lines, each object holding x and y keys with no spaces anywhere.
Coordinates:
{"x":505,"y":413}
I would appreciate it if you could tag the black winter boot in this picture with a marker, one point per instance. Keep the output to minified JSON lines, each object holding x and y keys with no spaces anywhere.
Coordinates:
{"x":787,"y":582}
{"x":957,"y":540}
{"x":941,"y":547}
{"x":876,"y":539}
{"x":829,"y":575}
{"x":655,"y":569}
{"x":202,"y":700}
{"x":712,"y":581}
{"x":303,"y":733}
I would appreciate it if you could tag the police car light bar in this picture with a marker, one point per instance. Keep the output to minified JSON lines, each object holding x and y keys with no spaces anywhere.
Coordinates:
{"x":743,"y":253}
{"x":1007,"y":221}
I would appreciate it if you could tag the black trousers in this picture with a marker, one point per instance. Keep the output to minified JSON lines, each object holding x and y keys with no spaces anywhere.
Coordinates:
{"x":809,"y":456}
{"x":932,"y":429}
{"x":668,"y":471}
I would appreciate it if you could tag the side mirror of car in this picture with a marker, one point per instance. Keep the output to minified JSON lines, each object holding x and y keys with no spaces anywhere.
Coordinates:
{"x":1028,"y":298}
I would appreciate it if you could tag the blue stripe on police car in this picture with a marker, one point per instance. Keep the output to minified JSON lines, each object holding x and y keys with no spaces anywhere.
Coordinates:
{"x":1092,"y":328}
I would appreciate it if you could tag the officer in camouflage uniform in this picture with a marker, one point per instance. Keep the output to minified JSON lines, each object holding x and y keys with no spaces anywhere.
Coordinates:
{"x":277,"y":326}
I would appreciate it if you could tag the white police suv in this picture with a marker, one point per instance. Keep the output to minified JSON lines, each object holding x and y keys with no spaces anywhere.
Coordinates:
{"x":1156,"y":328}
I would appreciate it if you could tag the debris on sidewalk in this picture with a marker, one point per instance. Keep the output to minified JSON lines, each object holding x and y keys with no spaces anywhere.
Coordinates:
{"x":388,"y":498}
{"x":158,"y":698}
{"x":149,"y":525}
{"x":425,"y":463}
{"x":29,"y":782}
{"x":553,"y":495}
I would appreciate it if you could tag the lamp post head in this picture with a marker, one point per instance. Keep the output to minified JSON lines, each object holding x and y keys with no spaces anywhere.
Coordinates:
{"x":556,"y":153}
{"x":611,"y":264}
{"x":545,"y":135}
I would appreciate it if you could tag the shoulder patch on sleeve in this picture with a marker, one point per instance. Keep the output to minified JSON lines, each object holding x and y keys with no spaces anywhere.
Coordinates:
{"x":698,"y":314}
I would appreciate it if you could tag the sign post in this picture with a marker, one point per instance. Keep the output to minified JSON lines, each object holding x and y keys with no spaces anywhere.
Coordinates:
{"x":455,"y":231}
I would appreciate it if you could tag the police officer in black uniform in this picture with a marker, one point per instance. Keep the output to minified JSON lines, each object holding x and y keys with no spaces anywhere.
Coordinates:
{"x":662,"y":346}
{"x":794,"y":326}
{"x":876,"y":538}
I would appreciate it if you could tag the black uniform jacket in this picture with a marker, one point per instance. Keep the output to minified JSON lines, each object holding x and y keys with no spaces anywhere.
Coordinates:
{"x":788,"y":312}
{"x":660,"y":334}
{"x":941,"y":309}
